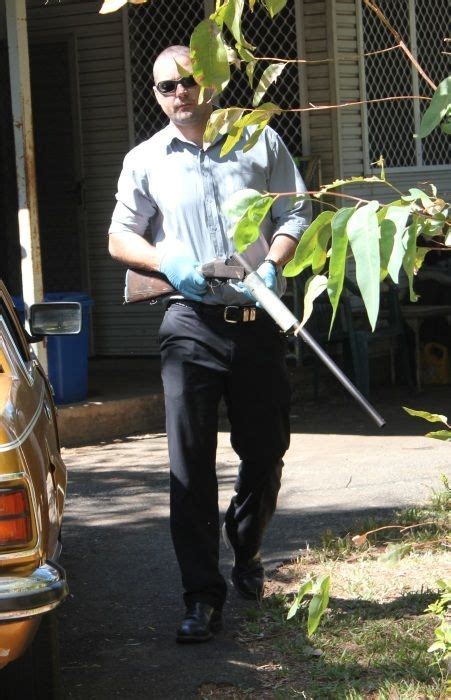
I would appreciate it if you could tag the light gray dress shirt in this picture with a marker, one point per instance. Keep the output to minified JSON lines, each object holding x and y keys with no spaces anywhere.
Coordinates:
{"x":173,"y":192}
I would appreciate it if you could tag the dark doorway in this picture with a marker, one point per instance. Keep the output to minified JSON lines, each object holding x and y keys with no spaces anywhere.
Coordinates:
{"x":58,"y":176}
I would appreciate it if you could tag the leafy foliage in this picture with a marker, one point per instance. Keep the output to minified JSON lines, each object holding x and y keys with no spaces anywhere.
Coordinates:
{"x":441,"y":648}
{"x":433,"y":418}
{"x":209,"y":56}
{"x":382,"y":239}
{"x":438,"y":110}
{"x":318,"y":588}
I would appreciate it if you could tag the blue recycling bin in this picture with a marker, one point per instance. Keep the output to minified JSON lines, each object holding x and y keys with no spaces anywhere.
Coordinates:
{"x":67,"y":355}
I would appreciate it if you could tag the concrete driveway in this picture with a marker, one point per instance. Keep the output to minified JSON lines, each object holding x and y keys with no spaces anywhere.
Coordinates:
{"x":117,"y":627}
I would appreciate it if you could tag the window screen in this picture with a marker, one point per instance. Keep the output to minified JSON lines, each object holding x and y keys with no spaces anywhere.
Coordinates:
{"x":391,"y":125}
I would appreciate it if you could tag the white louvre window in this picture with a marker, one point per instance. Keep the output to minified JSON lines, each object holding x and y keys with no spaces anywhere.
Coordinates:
{"x":154,"y":26}
{"x":391,"y":125}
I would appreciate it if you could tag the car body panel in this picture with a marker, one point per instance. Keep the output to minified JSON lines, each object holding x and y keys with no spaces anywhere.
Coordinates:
{"x":30,"y":458}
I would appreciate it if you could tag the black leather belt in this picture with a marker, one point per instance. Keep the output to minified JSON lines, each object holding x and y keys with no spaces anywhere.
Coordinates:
{"x":229,"y":314}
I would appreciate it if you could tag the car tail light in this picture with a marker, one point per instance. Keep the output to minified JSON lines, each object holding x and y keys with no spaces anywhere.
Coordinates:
{"x":15,"y":520}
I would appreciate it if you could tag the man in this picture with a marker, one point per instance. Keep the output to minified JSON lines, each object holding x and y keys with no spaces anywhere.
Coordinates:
{"x":214,"y":341}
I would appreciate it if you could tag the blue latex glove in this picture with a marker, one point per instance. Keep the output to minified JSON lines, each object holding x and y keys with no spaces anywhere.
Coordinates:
{"x":268,"y":274}
{"x":182,"y":273}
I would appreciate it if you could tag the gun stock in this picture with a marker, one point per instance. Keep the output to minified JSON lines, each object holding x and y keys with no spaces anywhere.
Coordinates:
{"x":143,"y":285}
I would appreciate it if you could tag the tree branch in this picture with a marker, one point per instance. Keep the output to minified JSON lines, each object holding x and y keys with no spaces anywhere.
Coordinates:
{"x":378,"y":12}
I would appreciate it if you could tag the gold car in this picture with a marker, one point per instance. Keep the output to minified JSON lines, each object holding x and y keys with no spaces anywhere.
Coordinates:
{"x":32,"y":492}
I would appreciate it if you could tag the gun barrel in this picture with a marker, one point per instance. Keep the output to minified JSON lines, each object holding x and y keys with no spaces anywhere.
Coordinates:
{"x":342,"y":378}
{"x":288,"y":321}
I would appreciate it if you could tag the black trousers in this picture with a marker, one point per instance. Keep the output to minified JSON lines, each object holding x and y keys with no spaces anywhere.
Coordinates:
{"x":204,"y":358}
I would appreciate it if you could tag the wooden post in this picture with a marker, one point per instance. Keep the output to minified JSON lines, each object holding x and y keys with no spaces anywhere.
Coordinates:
{"x":19,"y":69}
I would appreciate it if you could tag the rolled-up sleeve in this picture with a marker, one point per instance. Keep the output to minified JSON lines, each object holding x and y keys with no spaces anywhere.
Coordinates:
{"x":135,"y":206}
{"x":290,"y":214}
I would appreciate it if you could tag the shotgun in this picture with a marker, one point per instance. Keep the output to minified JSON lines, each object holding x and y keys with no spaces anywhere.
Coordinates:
{"x":148,"y":286}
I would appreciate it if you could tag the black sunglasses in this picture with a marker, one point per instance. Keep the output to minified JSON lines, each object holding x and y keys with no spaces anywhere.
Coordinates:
{"x":166,"y":87}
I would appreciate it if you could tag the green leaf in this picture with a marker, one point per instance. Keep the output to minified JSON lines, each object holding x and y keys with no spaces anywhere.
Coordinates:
{"x":239,"y":202}
{"x":410,"y":245}
{"x":274,"y":6}
{"x":234,"y":136}
{"x":416,"y":194}
{"x":250,"y":68}
{"x":388,"y":230}
{"x":398,"y":215}
{"x":209,"y":56}
{"x":244,"y":53}
{"x":363,"y":234}
{"x":320,"y":253}
{"x":420,"y":256}
{"x":252,"y":140}
{"x":440,"y":435}
{"x":446,"y":127}
{"x":259,"y":117}
{"x":247,"y":227}
{"x":318,"y":604}
{"x":337,"y":262}
{"x":305,"y":588}
{"x":293,"y":609}
{"x":265,"y":111}
{"x":439,"y":108}
{"x":306,"y":246}
{"x":183,"y":72}
{"x":313,"y":288}
{"x":394,"y":553}
{"x":232,"y":13}
{"x":433,"y":227}
{"x":381,"y":214}
{"x":221,"y":122}
{"x":431,"y":417}
{"x":270,"y":75}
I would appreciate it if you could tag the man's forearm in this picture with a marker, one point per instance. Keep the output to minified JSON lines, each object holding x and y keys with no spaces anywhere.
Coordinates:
{"x":133,"y":250}
{"x":282,"y":249}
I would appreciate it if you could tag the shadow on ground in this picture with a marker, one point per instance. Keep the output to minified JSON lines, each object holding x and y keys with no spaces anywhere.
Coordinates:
{"x":117,"y":627}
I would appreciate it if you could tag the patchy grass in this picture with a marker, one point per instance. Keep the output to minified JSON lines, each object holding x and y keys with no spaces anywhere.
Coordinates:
{"x":373,"y":640}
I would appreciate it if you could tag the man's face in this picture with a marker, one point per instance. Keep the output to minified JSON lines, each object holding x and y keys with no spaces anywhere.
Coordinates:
{"x":180,"y":106}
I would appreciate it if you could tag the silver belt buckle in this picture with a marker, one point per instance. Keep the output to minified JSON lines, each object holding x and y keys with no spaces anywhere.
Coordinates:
{"x":226,"y":314}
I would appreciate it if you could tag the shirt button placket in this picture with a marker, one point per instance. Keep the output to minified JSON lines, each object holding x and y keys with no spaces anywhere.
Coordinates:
{"x":210,"y":203}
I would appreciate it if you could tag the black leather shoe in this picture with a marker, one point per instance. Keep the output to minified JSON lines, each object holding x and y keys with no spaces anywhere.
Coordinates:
{"x":248,"y":578}
{"x":248,"y":575}
{"x":200,"y":623}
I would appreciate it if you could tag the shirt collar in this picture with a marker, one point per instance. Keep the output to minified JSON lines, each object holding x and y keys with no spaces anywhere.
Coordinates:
{"x":172,"y":133}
